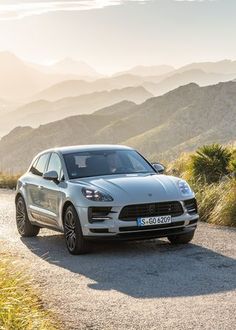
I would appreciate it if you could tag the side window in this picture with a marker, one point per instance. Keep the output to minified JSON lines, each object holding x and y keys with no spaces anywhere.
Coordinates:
{"x":55,"y":165}
{"x":39,"y":165}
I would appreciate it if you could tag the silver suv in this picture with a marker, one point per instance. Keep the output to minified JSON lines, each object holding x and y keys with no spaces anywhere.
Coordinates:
{"x":103,"y":192}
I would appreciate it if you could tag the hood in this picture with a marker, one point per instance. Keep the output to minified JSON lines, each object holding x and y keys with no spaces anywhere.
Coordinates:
{"x":136,"y":188}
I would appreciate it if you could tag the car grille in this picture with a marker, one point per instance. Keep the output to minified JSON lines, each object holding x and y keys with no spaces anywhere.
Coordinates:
{"x":191,"y":206}
{"x":132,"y":212}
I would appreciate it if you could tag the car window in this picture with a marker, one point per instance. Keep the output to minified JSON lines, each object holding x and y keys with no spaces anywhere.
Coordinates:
{"x":105,"y":162}
{"x":55,"y":164}
{"x":134,"y":159}
{"x":39,"y":165}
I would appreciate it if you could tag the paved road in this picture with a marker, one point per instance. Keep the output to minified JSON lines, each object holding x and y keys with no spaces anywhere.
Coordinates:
{"x":147,"y":285}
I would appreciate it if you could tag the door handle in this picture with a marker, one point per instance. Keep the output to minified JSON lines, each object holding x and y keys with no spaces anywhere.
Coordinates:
{"x":40,"y":187}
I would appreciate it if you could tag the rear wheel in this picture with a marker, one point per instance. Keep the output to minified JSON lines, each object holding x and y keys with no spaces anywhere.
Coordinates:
{"x":182,"y":238}
{"x":75,"y":242}
{"x":24,"y":226}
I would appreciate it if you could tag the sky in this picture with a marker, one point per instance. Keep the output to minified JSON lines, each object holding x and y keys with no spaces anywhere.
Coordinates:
{"x":114,"y":35}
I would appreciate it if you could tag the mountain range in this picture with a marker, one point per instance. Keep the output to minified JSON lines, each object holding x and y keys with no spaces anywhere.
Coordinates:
{"x":161,"y":127}
{"x":42,"y":111}
{"x":69,"y":66}
{"x":22,"y":81}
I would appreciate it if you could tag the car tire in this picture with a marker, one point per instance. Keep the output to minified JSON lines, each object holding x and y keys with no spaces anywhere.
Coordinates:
{"x":24,"y":226}
{"x":75,"y":242}
{"x":182,"y":238}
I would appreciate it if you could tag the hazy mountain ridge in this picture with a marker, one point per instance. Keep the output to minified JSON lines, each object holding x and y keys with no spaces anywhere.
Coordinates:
{"x":223,"y":67}
{"x":70,"y":88}
{"x":146,"y":71}
{"x":201,"y":73}
{"x":177,"y":79}
{"x":74,"y":67}
{"x":20,"y":79}
{"x":25,"y":81}
{"x":42,"y":111}
{"x":160,"y":127}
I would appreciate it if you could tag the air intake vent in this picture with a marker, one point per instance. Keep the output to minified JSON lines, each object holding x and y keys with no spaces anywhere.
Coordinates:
{"x":98,"y":213}
{"x":191,"y":206}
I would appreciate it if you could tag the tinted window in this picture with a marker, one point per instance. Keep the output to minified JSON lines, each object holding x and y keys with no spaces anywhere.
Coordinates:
{"x":55,"y":164}
{"x":96,"y":163}
{"x":39,"y":166}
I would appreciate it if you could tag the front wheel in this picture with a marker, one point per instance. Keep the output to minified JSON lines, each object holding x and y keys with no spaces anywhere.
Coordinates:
{"x":24,"y":226}
{"x":181,"y":238}
{"x":75,"y":242}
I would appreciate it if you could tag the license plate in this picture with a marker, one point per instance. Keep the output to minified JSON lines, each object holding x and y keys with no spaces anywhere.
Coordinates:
{"x":151,"y":221}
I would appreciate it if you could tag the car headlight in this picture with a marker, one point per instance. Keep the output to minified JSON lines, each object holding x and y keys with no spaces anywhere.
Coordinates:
{"x":185,"y":188}
{"x":95,"y":195}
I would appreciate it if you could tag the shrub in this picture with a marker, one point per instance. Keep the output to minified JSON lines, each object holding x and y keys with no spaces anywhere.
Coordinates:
{"x":205,"y":170}
{"x":210,"y":163}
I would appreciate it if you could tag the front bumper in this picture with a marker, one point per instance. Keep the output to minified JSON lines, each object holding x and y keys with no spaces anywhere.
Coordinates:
{"x":114,"y":228}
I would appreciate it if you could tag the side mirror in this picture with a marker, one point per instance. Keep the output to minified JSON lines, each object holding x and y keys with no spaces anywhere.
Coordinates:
{"x":51,"y":176}
{"x":159,"y":168}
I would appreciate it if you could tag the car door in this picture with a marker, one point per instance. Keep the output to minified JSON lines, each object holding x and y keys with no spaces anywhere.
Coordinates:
{"x":34,"y":188}
{"x":52,"y":192}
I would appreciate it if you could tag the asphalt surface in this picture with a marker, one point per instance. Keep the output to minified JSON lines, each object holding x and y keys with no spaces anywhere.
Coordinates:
{"x":134,"y":285}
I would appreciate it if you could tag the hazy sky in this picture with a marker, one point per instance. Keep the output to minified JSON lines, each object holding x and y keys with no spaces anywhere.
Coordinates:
{"x":114,"y":35}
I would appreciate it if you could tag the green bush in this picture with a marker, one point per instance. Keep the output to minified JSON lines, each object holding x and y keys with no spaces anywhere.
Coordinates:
{"x":211,"y":172}
{"x":210,"y":163}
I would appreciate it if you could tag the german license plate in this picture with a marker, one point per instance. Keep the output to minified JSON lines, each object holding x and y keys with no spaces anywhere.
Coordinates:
{"x":151,"y":221}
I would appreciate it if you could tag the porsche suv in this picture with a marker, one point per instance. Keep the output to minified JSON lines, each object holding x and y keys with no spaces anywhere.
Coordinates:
{"x":103,"y":192}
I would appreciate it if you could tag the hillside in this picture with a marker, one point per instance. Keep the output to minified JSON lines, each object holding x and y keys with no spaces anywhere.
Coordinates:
{"x":70,"y":88}
{"x":73,"y":67}
{"x":161,"y":127}
{"x":223,"y":67}
{"x":41,"y":112}
{"x":198,"y":73}
{"x":180,"y":78}
{"x":19,"y":80}
{"x":145,"y":71}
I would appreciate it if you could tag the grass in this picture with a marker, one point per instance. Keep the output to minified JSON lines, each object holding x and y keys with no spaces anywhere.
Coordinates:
{"x":216,"y":200}
{"x":224,"y":212}
{"x":20,"y":306}
{"x":8,"y":181}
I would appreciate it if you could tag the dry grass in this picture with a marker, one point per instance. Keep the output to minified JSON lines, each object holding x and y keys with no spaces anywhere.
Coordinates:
{"x":20,"y":307}
{"x":224,"y":212}
{"x":8,"y":181}
{"x":216,"y":201}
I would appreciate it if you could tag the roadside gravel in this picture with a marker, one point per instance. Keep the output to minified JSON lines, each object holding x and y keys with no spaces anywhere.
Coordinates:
{"x":134,"y":285}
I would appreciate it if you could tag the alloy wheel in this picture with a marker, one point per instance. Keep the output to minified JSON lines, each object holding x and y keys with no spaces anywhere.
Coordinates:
{"x":20,"y":215}
{"x":70,"y":227}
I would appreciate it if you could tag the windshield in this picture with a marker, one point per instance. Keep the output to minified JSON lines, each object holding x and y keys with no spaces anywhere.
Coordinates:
{"x":99,"y":163}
